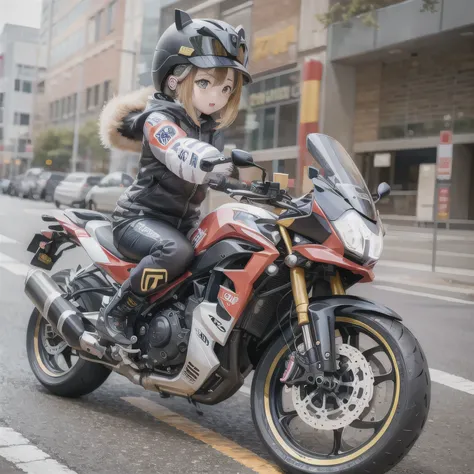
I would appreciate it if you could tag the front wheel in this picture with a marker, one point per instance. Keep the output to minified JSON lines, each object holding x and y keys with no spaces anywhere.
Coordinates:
{"x":55,"y":364}
{"x":370,"y":417}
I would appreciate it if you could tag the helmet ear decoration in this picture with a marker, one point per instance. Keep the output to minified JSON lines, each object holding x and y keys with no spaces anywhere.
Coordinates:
{"x":241,"y":32}
{"x":181,"y":19}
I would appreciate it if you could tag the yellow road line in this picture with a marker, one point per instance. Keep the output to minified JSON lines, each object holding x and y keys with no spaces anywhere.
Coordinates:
{"x":209,"y":437}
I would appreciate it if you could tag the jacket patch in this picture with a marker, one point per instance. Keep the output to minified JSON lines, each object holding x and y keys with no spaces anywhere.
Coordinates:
{"x":164,"y":134}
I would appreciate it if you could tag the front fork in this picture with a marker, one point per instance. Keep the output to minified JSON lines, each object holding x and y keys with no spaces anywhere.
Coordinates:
{"x":319,"y":333}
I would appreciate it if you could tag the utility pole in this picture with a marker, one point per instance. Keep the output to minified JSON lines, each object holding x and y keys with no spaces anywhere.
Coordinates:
{"x":77,"y":118}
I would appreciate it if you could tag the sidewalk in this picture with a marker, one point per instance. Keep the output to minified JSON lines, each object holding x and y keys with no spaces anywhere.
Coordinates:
{"x":413,"y":223}
{"x":421,"y":277}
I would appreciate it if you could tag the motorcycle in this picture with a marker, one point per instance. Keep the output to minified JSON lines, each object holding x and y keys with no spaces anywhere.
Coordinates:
{"x":340,"y":384}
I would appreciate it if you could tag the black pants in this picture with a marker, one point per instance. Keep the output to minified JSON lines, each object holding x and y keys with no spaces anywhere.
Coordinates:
{"x":164,"y":252}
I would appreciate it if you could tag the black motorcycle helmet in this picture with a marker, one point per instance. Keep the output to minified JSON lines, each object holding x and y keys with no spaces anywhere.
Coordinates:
{"x":202,"y":43}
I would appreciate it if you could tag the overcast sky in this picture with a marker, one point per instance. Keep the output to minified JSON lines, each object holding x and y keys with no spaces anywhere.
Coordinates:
{"x":20,"y":12}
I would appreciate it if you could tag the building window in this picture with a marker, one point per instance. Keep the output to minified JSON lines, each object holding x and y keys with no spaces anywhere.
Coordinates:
{"x":89,"y":98}
{"x":21,"y":119}
{"x":63,"y":107}
{"x":98,"y":21}
{"x":91,"y":30}
{"x":27,"y":87}
{"x":96,"y":95}
{"x":106,"y":90}
{"x":287,"y":125}
{"x":111,"y":11}
{"x":74,"y":103}
{"x":1,"y":115}
{"x":22,"y":145}
{"x":272,"y":118}
{"x":1,"y":134}
{"x":17,"y":85}
{"x":51,"y":111}
{"x":1,"y":99}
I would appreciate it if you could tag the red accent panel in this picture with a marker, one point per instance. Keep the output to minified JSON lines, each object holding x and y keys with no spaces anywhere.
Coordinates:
{"x":165,"y":290}
{"x":320,"y":253}
{"x":117,"y":269}
{"x":166,"y":123}
{"x":219,"y":225}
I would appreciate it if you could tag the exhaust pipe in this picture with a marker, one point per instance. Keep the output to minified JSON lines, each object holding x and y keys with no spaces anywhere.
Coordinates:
{"x":66,"y":320}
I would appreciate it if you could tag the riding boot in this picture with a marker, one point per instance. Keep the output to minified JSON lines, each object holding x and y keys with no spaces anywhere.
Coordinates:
{"x":112,"y":322}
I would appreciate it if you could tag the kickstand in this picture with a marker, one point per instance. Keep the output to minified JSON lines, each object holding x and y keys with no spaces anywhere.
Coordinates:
{"x":196,"y":405}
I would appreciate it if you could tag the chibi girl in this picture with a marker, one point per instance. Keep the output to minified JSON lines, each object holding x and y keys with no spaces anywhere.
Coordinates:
{"x":199,"y":69}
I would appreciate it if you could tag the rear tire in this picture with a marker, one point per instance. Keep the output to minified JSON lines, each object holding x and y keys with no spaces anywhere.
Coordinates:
{"x":57,"y":204}
{"x":92,"y":206}
{"x":83,"y":378}
{"x":399,"y":434}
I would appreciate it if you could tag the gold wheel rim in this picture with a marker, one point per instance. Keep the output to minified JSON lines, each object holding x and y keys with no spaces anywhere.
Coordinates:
{"x":333,"y":462}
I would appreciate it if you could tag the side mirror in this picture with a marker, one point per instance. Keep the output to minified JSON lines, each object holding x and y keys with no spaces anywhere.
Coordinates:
{"x":383,"y":190}
{"x":241,"y":158}
{"x":313,"y":172}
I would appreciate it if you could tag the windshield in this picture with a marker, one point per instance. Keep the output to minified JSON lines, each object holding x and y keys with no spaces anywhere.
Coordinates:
{"x":338,"y":168}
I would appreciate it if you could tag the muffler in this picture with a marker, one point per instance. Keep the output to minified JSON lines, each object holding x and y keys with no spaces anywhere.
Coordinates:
{"x":66,"y":320}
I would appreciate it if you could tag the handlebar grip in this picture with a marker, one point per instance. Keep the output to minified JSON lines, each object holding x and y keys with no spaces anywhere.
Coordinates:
{"x":224,"y":183}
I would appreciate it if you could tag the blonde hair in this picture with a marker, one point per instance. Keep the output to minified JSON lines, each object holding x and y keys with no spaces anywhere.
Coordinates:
{"x":228,"y":113}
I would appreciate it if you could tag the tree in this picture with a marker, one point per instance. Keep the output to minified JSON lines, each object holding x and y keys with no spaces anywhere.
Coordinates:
{"x":344,"y":10}
{"x":91,"y":147}
{"x":53,"y":144}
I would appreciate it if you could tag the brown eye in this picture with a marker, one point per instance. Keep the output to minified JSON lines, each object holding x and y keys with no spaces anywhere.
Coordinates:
{"x":227,"y":90}
{"x":202,"y":83}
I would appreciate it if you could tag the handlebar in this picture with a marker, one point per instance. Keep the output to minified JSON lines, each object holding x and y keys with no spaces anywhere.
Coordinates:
{"x":224,"y":183}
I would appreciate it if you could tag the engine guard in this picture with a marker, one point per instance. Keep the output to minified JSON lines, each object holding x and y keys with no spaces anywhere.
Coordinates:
{"x":322,"y":314}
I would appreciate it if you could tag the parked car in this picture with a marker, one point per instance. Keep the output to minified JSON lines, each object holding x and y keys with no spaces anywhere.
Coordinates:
{"x":28,"y":183}
{"x":104,"y":196}
{"x":46,"y":184}
{"x":4,"y":185}
{"x":14,"y":189}
{"x":73,"y":189}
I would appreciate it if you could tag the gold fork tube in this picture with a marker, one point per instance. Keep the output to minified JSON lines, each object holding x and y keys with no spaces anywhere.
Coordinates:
{"x":336,"y":285}
{"x":300,"y":294}
{"x":298,"y":283}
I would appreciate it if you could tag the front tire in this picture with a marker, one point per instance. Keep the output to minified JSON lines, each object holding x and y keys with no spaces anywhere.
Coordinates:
{"x":396,"y":433}
{"x":71,"y":380}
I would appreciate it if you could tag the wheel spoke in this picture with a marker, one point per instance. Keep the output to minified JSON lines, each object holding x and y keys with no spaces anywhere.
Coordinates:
{"x":372,"y":351}
{"x":286,"y":419}
{"x":366,"y":425}
{"x":61,"y":361}
{"x":389,"y":376}
{"x":336,"y":447}
{"x":354,"y":340}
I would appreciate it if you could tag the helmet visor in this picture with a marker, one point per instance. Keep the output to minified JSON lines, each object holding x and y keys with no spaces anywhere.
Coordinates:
{"x":210,"y":62}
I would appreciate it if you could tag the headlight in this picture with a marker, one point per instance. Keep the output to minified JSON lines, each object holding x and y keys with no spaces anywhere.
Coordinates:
{"x":357,"y":237}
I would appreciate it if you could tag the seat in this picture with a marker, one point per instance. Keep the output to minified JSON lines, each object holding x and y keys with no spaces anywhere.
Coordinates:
{"x":81,"y":217}
{"x":105,"y":237}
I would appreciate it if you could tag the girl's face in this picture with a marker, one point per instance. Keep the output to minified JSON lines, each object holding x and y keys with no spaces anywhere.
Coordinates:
{"x":208,"y":96}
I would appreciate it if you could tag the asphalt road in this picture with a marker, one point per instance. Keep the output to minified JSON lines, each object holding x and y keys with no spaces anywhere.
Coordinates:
{"x":121,"y":428}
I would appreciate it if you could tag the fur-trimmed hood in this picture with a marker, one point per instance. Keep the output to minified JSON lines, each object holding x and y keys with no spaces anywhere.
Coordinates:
{"x":113,"y":114}
{"x":122,"y":119}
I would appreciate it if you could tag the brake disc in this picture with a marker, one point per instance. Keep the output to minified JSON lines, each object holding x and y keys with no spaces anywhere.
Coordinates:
{"x":324,"y":410}
{"x":47,"y":338}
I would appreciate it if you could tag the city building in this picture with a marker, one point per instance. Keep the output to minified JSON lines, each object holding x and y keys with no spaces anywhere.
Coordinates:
{"x":390,"y":90}
{"x":18,"y":64}
{"x":89,"y":58}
